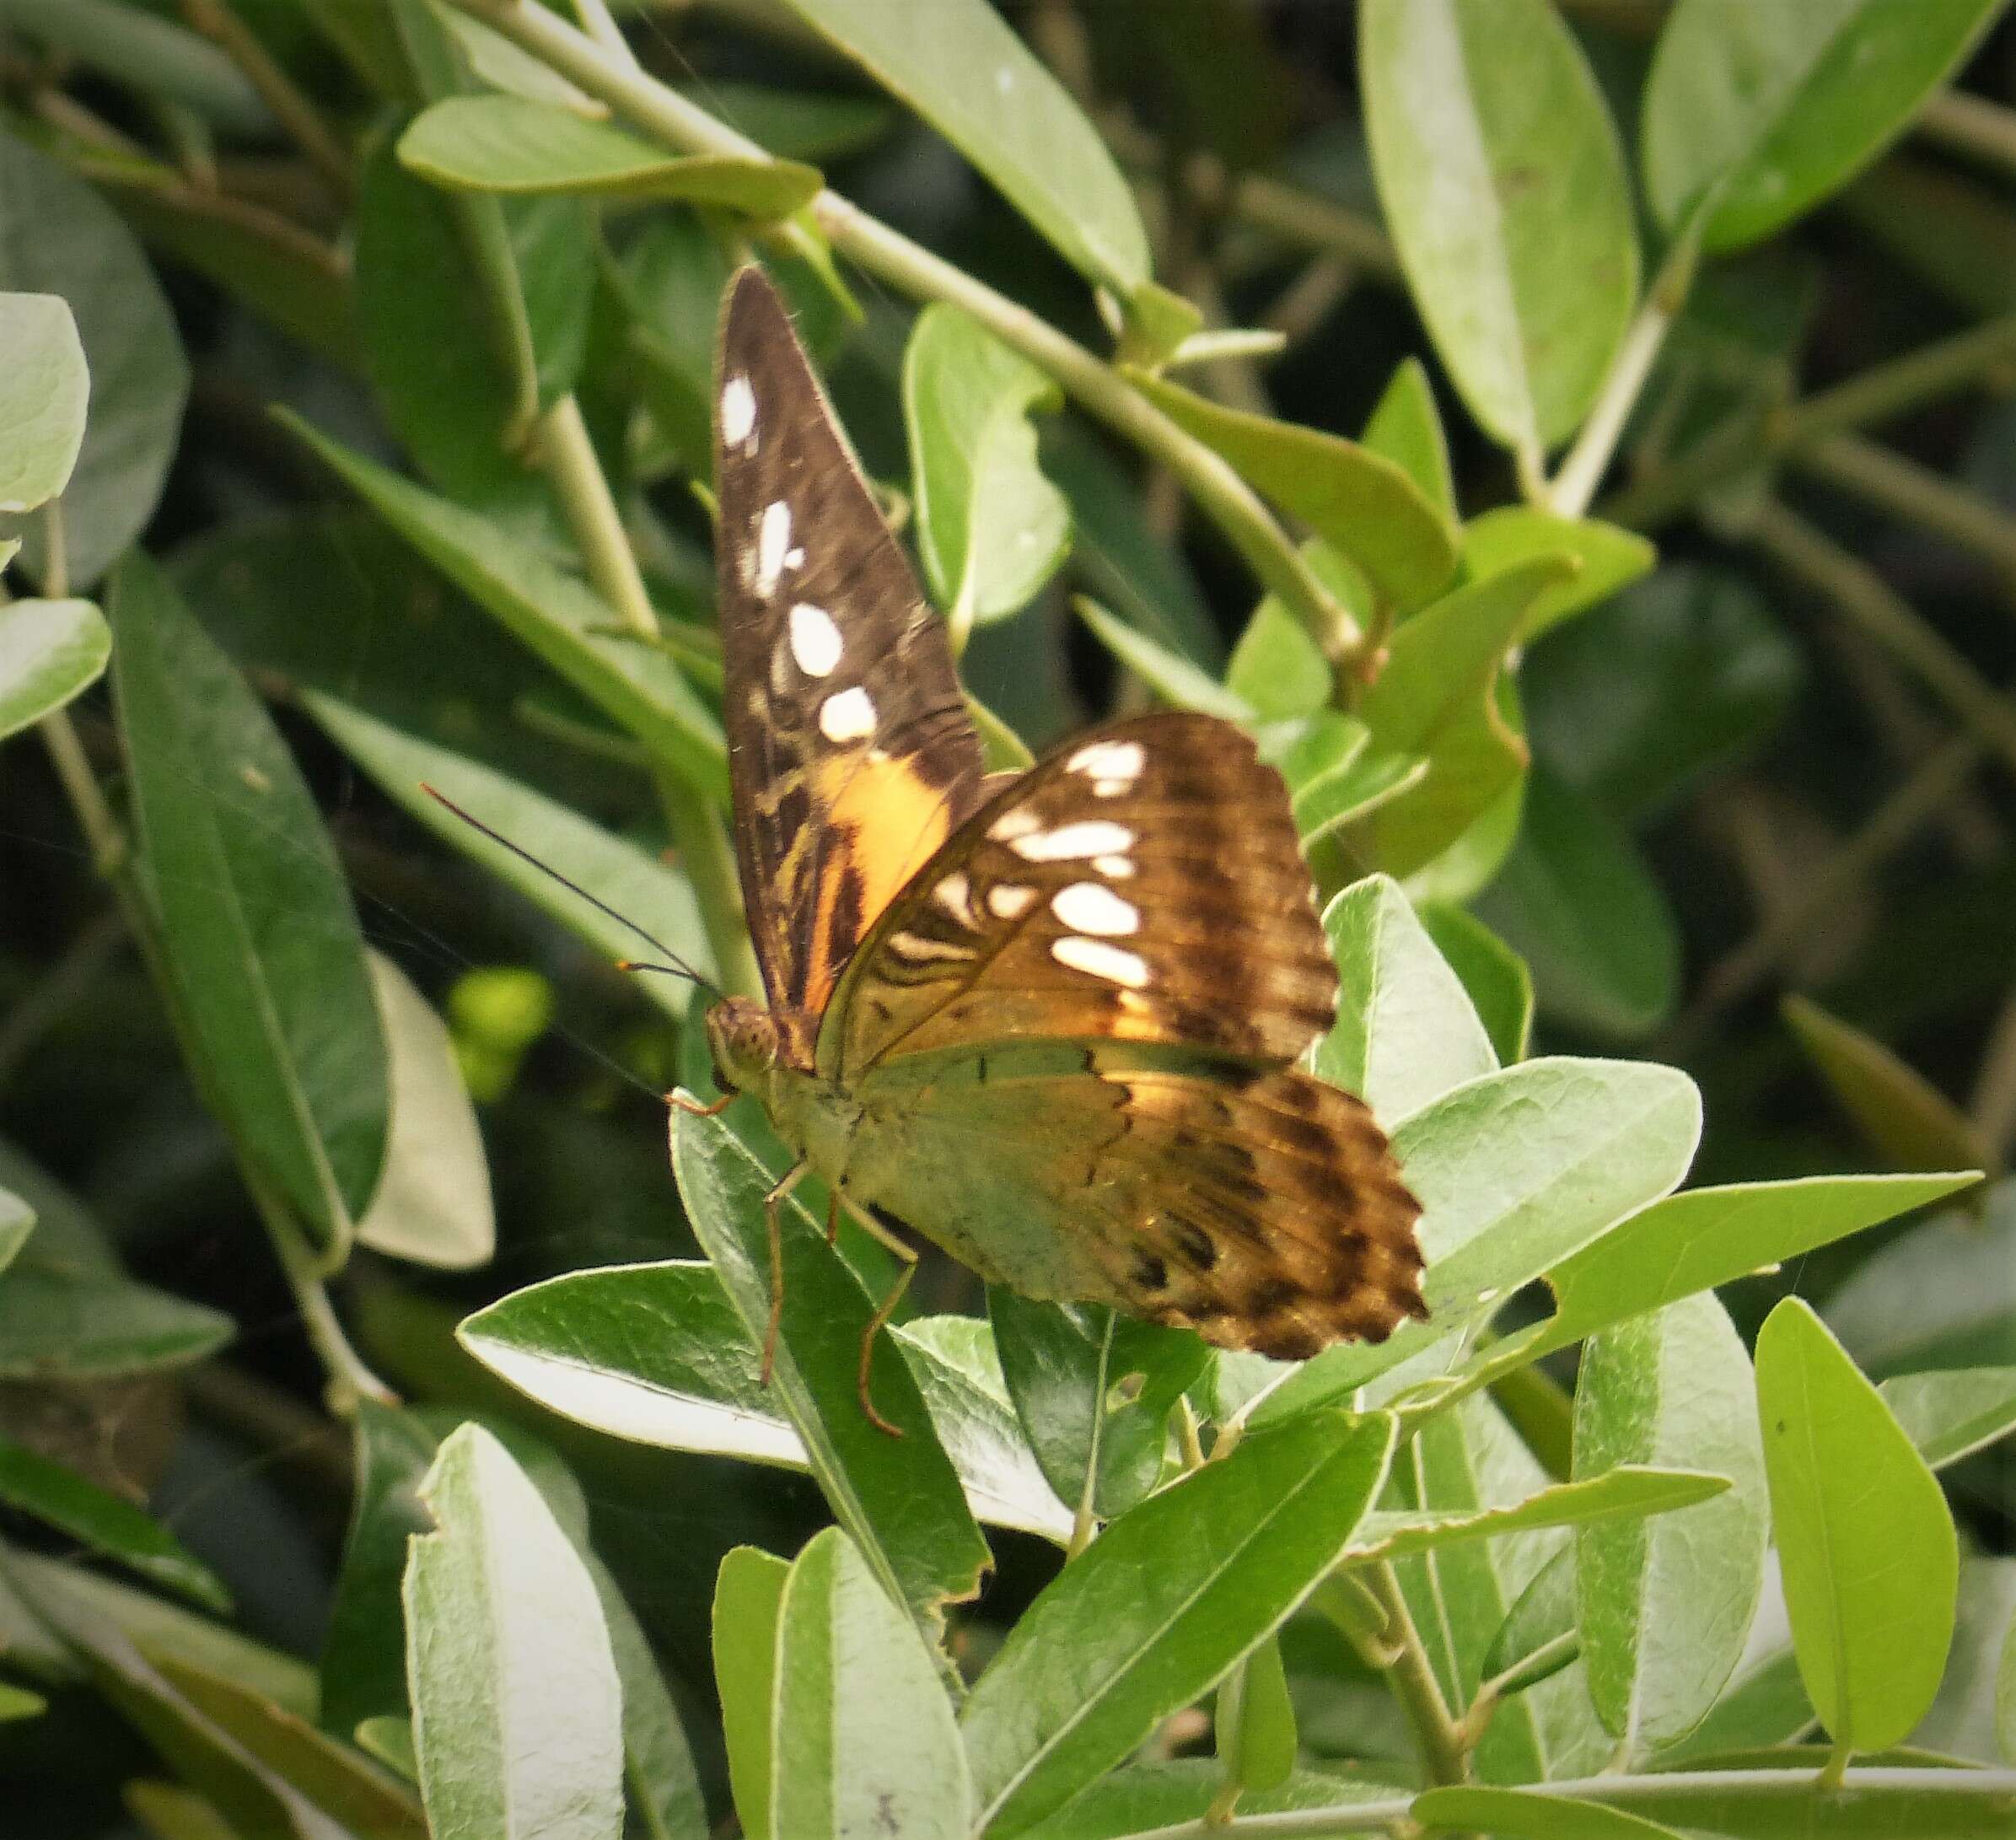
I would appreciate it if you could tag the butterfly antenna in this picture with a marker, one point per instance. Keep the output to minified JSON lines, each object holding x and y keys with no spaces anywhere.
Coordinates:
{"x":677,"y":967}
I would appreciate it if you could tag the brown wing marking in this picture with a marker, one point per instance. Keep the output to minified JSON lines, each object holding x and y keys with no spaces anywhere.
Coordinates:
{"x":852,"y":753}
{"x":1144,"y":883}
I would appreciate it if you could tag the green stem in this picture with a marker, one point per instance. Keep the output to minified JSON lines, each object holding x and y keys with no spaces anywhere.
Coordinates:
{"x":572,"y":463}
{"x":1917,"y":494}
{"x":1963,"y":123}
{"x":1884,"y":391}
{"x":1596,"y":445}
{"x":885,"y":252}
{"x":350,"y":1377}
{"x":1985,"y":1793}
{"x":702,"y":840}
{"x":1412,"y":1675}
{"x":1875,"y":608}
{"x":291,"y":105}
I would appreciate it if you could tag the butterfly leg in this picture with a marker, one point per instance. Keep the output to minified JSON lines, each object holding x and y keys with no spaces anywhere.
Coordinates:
{"x":773,"y":1203}
{"x":883,"y":1311}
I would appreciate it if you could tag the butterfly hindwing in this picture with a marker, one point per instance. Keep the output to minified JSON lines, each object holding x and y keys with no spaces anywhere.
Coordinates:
{"x":1142,"y":884}
{"x":1260,"y":1206}
{"x":852,"y":753}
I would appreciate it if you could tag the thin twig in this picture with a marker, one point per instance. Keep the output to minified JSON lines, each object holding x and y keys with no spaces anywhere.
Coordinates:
{"x":291,"y":105}
{"x":1884,"y":391}
{"x":1965,"y":123}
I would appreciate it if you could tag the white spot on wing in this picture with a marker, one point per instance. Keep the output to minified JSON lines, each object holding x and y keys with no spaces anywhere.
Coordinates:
{"x":1009,"y":900}
{"x":1110,"y":760}
{"x":814,"y":639}
{"x":918,"y":949}
{"x":1115,"y":868}
{"x":738,"y":413}
{"x":847,"y":715}
{"x":1114,"y":963}
{"x":955,"y":896}
{"x":1016,"y":823}
{"x":1087,"y":907}
{"x":1090,"y":836}
{"x":773,"y":539}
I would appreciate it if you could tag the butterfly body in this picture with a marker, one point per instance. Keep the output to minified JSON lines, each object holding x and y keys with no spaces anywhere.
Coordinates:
{"x":1051,"y":1024}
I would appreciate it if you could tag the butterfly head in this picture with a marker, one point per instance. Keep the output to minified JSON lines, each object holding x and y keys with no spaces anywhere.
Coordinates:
{"x":744,"y":1039}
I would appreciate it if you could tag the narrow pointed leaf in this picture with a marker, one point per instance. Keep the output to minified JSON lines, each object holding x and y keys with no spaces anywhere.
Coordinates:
{"x":1496,"y":977}
{"x":1407,"y":428}
{"x":749,"y":1602}
{"x":508,"y":144}
{"x":255,"y":921}
{"x":1366,"y":506}
{"x":1159,"y":1605}
{"x":1952,"y":1414}
{"x":1610,"y":558}
{"x":899,"y":1498}
{"x":958,"y":64}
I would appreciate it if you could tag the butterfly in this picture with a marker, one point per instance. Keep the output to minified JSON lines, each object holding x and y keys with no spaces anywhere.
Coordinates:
{"x":1050,"y":1021}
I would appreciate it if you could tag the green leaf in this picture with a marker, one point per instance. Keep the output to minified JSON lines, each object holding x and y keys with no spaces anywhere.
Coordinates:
{"x":17,"y":1222}
{"x":1496,"y":977}
{"x":749,"y":1603}
{"x":517,"y":1712}
{"x":1576,"y":902}
{"x":1952,"y":1414}
{"x":630,"y":880}
{"x":899,"y":1498}
{"x":2005,"y":1697}
{"x":1707,"y":1238}
{"x":1094,"y":1391}
{"x":1518,"y":1814}
{"x":42,"y":396}
{"x":864,"y":1738}
{"x":1764,"y":1705}
{"x":1172,"y":677}
{"x":1905,"y":1118}
{"x":431,"y":1205}
{"x":1870,"y":1558}
{"x":1463,"y":1463}
{"x":1610,"y":558}
{"x":18,"y":1702}
{"x":331,"y":1776}
{"x":106,"y":1523}
{"x":960,"y":67}
{"x":1942,"y":1295}
{"x":1538,"y":1636}
{"x":144,"y":51}
{"x":656,"y":1354}
{"x":991,"y":528}
{"x":1758,"y":113}
{"x":253,"y":1795}
{"x":1629,"y":1492}
{"x":1365,"y":507}
{"x":1146,"y":1798}
{"x":1328,"y":800}
{"x":507,"y":144}
{"x":58,"y":237}
{"x":1515,"y":1172}
{"x":51,"y":653}
{"x":1437,"y":697}
{"x":257,"y":925}
{"x":1665,"y":1606}
{"x":657,"y":1761}
{"x":1276,"y":667}
{"x":1504,"y":184}
{"x":1962,"y":1723}
{"x":1407,"y":428}
{"x":1641,"y":700}
{"x":1405,"y":1031}
{"x":551,"y":612}
{"x":1159,"y":1605}
{"x":1254,"y":1722}
{"x":363,"y":1672}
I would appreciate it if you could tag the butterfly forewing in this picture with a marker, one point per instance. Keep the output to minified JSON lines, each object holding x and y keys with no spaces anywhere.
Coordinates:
{"x":1142,"y":884}
{"x":852,"y":753}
